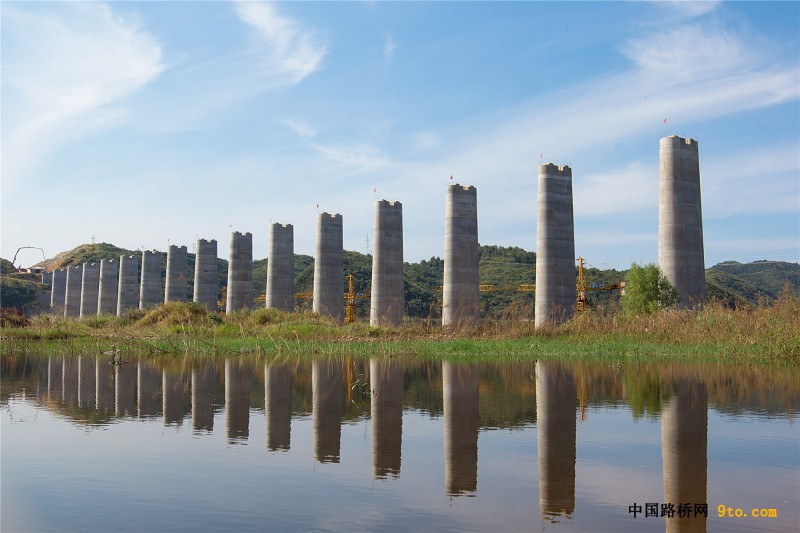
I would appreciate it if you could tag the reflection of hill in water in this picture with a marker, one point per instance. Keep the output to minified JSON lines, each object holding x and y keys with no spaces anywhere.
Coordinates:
{"x":90,"y":391}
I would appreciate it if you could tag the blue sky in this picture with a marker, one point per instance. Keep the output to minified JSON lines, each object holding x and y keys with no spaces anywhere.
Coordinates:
{"x":143,"y":124}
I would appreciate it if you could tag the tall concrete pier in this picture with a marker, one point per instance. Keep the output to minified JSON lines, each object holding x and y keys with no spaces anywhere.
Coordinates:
{"x":555,"y":247}
{"x":684,"y":451}
{"x":150,"y":287}
{"x":109,"y":287}
{"x":128,"y":295}
{"x":280,"y":267}
{"x":461,"y":282}
{"x":240,"y":273}
{"x":556,"y":426}
{"x":58,"y":291}
{"x":72,"y":296}
{"x":177,"y":288}
{"x":461,"y":388}
{"x":386,"y":298}
{"x":680,"y":219}
{"x":205,"y":274}
{"x":90,"y":289}
{"x":329,"y":267}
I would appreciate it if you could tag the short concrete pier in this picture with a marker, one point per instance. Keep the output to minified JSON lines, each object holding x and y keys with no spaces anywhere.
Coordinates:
{"x":329,"y":267}
{"x":240,"y":273}
{"x":280,"y":267}
{"x":58,"y":291}
{"x":177,"y":288}
{"x":128,"y":295}
{"x":90,"y":289}
{"x":386,"y":297}
{"x":150,"y":288}
{"x":206,"y":285}
{"x":108,"y":291}
{"x":72,"y":297}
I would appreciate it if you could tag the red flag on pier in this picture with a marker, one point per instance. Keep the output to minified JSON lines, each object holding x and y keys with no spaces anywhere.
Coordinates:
{"x":665,"y":120}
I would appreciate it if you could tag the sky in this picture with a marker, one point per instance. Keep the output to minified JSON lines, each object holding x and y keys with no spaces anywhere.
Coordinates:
{"x":144,"y":124}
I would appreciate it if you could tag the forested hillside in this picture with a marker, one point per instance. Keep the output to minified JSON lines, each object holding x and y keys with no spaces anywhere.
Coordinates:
{"x":732,"y":284}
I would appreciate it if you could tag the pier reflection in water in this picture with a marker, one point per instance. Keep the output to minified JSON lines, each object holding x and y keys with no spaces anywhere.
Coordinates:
{"x":425,"y":418}
{"x":238,"y":380}
{"x":278,"y":384}
{"x":386,"y":411}
{"x":461,"y":424}
{"x":684,"y":450}
{"x":326,"y":379}
{"x":556,"y":425}
{"x":204,"y":387}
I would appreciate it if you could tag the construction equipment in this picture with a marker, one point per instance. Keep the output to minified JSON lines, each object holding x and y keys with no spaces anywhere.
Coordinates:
{"x":350,"y":308}
{"x":582,"y":302}
{"x":582,"y":287}
{"x":350,"y":297}
{"x":24,"y":248}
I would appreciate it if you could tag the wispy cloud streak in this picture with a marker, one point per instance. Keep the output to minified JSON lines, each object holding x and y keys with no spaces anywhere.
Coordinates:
{"x":287,"y":54}
{"x":66,"y":70}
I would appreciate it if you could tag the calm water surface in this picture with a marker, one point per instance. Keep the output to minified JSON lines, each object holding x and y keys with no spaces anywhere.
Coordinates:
{"x":241,"y":444}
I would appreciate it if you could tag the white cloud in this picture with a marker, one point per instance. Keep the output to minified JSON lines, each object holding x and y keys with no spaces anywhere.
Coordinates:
{"x":424,"y":140}
{"x":361,"y":156}
{"x":66,"y":70}
{"x":389,"y":48}
{"x":690,"y":8}
{"x":758,"y":180}
{"x":287,"y":54}
{"x":630,"y":188}
{"x":300,"y":127}
{"x":689,"y":52}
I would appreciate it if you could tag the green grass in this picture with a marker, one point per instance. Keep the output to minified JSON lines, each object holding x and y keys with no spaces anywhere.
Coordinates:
{"x":768,"y":335}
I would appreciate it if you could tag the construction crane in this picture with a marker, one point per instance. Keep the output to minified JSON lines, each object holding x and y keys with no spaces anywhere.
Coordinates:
{"x":582,"y":287}
{"x":25,"y":248}
{"x":350,"y":297}
{"x":350,"y":308}
{"x":582,"y":302}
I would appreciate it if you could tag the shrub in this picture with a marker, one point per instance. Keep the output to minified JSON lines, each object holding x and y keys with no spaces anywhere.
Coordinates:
{"x":647,"y":290}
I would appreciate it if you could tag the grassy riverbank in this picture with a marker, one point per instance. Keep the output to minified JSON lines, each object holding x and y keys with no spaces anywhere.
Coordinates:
{"x":757,"y":335}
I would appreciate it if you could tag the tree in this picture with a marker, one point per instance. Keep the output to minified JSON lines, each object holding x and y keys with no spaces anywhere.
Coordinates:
{"x":16,"y":293}
{"x":647,"y":290}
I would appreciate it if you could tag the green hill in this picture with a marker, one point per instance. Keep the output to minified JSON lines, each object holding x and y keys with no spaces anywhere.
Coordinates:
{"x":732,"y":291}
{"x":6,"y":267}
{"x":731,"y":283}
{"x":768,"y":276}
